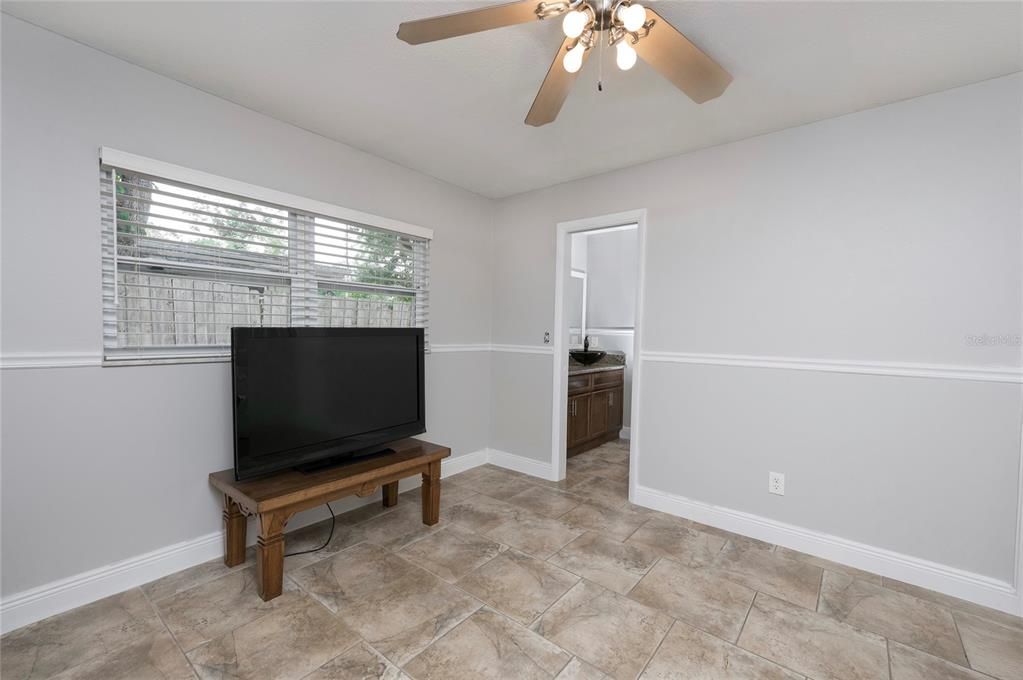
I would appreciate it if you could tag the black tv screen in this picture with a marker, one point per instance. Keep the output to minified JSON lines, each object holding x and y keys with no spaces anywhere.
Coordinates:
{"x":303,"y":395}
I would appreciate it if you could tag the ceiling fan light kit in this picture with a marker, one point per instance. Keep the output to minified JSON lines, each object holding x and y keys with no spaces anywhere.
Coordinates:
{"x":632,"y":29}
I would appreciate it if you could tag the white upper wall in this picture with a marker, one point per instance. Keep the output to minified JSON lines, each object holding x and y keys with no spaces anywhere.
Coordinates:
{"x":63,"y":101}
{"x":612,"y":265}
{"x":887,"y":235}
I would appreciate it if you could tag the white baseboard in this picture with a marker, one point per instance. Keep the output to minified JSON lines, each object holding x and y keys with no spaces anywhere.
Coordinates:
{"x":46,"y":600}
{"x":35,"y":604}
{"x":965,"y":585}
{"x":626,"y":433}
{"x":527,"y":466}
{"x":467,"y":461}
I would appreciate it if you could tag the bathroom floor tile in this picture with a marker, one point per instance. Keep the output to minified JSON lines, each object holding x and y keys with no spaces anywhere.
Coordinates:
{"x":360,"y":662}
{"x":677,"y":541}
{"x":287,"y":644}
{"x":812,"y":644}
{"x":394,"y":605}
{"x":452,"y":553}
{"x":955,"y":604}
{"x":501,"y":484}
{"x":154,"y":656}
{"x":828,"y":565}
{"x":607,"y":630}
{"x":482,"y":513}
{"x":518,"y":585}
{"x":534,"y":534}
{"x":904,"y":618}
{"x":766,"y":572}
{"x":394,"y":530}
{"x":616,"y":524}
{"x":577,"y":669}
{"x":697,"y":596}
{"x":543,"y":501}
{"x":52,"y":645}
{"x":193,"y":576}
{"x":608,"y":493}
{"x":489,"y":646}
{"x":912,"y":664}
{"x":992,"y":648}
{"x":217,"y":607}
{"x":616,"y":566}
{"x":690,"y":653}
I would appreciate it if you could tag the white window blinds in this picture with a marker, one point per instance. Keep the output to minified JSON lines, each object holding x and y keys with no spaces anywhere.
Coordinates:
{"x":183,"y":263}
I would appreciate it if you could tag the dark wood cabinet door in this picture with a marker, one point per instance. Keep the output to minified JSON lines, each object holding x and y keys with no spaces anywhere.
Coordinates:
{"x":615,"y":409}
{"x":578,"y":419}
{"x":599,"y":413}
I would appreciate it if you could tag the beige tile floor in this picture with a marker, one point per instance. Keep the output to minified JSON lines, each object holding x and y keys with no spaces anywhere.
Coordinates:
{"x":522,"y":579}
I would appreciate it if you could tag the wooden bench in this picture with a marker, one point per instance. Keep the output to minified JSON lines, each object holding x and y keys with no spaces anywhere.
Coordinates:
{"x":276,"y":498}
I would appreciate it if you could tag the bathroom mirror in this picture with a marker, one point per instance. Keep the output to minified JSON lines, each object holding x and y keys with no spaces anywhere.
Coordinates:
{"x":575,"y":305}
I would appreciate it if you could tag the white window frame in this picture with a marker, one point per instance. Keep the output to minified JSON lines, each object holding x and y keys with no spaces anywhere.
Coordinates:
{"x":176,"y":173}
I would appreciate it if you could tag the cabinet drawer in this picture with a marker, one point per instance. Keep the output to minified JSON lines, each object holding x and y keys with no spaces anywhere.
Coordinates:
{"x":579,"y":383}
{"x":608,"y":378}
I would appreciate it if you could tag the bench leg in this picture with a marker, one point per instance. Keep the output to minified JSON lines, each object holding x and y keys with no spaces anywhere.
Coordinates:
{"x":270,"y":555}
{"x":431,"y":494}
{"x":390,"y":494}
{"x":234,"y":533}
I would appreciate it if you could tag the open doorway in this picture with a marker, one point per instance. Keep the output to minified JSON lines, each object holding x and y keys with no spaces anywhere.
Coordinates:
{"x":598,"y":322}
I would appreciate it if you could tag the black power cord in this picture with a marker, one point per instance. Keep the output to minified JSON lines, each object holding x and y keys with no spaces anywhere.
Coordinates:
{"x":333,"y":519}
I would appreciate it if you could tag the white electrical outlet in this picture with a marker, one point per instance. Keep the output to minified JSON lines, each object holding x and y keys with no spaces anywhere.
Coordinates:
{"x":776,"y":483}
{"x":594,"y":341}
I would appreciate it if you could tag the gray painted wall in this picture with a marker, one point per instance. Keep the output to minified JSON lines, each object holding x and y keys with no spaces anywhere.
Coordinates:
{"x":102,"y":464}
{"x":612,"y":265}
{"x":891,"y":234}
{"x":886,"y":235}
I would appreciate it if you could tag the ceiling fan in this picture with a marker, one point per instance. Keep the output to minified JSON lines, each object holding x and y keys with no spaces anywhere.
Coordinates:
{"x":625,"y":25}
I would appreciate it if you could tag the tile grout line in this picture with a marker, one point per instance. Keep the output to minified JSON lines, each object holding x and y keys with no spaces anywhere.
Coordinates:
{"x":657,"y":647}
{"x":820,"y":591}
{"x":174,"y":637}
{"x":751,"y":652}
{"x":579,"y":579}
{"x":483,"y":603}
{"x":745,"y":619}
{"x":962,"y":644}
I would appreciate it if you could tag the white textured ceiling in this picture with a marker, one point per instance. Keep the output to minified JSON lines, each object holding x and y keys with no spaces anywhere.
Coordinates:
{"x":454,"y":109}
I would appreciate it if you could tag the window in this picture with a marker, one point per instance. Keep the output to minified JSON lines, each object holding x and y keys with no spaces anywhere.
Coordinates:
{"x":183,"y":263}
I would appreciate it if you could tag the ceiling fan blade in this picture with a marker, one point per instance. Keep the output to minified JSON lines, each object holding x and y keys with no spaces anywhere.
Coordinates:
{"x":555,"y":89}
{"x":681,"y":62}
{"x":470,"y":21}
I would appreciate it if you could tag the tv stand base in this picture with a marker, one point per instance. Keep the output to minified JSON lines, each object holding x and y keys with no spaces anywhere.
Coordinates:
{"x":275,"y":499}
{"x":344,"y":459}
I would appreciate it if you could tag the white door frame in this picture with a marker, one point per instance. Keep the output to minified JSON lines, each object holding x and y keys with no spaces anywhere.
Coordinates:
{"x":563,"y":265}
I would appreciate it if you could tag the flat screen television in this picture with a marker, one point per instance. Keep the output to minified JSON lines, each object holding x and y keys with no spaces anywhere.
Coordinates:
{"x":305,"y":396}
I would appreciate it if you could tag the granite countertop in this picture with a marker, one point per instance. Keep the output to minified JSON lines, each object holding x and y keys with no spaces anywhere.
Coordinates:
{"x":614,"y":361}
{"x":579,"y":369}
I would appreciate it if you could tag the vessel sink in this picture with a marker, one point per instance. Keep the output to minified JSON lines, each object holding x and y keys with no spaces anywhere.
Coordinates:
{"x":587,"y":357}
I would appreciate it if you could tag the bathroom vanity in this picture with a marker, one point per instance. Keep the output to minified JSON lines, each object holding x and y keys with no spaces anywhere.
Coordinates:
{"x":595,"y":401}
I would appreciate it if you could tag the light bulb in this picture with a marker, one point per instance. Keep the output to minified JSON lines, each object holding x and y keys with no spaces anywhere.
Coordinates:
{"x":626,"y":56}
{"x":574,"y":23}
{"x":633,"y":17}
{"x":574,"y":59}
